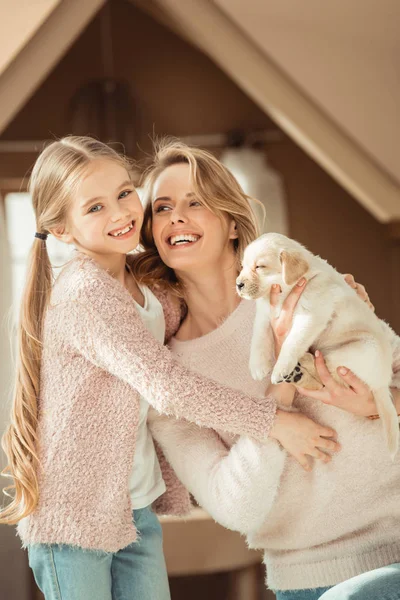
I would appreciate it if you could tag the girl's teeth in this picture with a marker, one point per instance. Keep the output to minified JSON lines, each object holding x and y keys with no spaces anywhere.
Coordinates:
{"x":123,"y":231}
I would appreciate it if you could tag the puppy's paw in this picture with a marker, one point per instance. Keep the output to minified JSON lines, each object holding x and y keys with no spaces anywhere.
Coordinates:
{"x":283,"y":368}
{"x":294,"y":376}
{"x":259,"y":369}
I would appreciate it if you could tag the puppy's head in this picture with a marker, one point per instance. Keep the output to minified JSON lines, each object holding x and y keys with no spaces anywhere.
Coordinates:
{"x":272,"y":258}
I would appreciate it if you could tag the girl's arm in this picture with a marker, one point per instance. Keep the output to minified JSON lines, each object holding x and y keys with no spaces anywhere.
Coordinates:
{"x":103,"y":325}
{"x":237,"y":487}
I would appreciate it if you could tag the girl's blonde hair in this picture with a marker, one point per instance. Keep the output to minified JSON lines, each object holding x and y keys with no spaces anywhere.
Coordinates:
{"x":217,"y":189}
{"x":54,"y":180}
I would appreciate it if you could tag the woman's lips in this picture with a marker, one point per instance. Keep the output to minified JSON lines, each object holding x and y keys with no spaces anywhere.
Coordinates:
{"x":182,"y":240}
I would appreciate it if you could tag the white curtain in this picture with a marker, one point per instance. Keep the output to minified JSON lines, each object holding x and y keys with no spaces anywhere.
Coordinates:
{"x":259,"y":180}
{"x":14,"y":571}
{"x":6,"y":363}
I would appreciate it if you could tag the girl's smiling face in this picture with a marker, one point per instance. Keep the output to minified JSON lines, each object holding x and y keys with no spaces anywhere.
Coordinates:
{"x":106,"y":215}
{"x":187,"y":234}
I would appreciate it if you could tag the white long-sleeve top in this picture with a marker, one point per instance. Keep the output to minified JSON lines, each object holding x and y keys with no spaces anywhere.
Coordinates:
{"x":317,"y":528}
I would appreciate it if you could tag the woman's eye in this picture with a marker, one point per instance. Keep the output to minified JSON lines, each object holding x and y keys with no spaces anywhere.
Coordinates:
{"x":124,"y":194}
{"x":96,"y":208}
{"x":195,"y":203}
{"x":161,"y":208}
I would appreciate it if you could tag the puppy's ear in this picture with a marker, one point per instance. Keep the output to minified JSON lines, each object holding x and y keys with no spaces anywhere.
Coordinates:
{"x":294,"y":266}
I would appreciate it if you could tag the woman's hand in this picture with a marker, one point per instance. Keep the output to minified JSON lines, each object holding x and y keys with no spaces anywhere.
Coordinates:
{"x":356,"y":399}
{"x":302,"y":437}
{"x":282,"y":323}
{"x":360,"y":289}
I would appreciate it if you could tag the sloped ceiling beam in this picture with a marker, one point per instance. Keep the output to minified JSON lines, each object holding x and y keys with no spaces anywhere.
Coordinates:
{"x":19,"y":21}
{"x":212,"y":31}
{"x":42,"y":52}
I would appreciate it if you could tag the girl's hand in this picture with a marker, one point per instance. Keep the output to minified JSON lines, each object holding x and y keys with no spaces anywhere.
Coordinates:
{"x":360,"y":289}
{"x":302,"y":437}
{"x":356,"y":399}
{"x":282,"y":323}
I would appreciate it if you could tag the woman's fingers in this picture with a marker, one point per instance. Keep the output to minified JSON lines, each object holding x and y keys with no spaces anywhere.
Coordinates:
{"x":292,"y":299}
{"x":320,"y":395}
{"x":360,"y":289}
{"x":324,"y":375}
{"x":274,"y":295}
{"x":349,"y":279}
{"x":353,"y":381}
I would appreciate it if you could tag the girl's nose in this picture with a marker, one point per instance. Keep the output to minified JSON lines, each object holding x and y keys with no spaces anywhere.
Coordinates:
{"x":119,"y":214}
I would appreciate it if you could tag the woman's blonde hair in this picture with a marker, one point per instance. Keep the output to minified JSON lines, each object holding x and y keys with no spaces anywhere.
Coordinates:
{"x":217,"y":189}
{"x":55,"y":177}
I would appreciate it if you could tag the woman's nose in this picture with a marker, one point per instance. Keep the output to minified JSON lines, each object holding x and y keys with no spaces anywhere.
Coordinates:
{"x":178,"y":217}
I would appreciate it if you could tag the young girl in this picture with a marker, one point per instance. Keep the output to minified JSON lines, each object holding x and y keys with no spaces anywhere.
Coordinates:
{"x":316,"y":529}
{"x":79,"y":451}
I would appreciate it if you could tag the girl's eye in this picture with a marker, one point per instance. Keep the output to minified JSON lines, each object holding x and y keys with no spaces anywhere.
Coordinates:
{"x":124,"y":194}
{"x":195,"y":203}
{"x":96,"y":208}
{"x":161,"y":208}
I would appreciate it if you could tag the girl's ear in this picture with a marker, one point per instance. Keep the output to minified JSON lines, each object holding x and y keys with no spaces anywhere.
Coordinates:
{"x":62,"y":234}
{"x":233,"y":232}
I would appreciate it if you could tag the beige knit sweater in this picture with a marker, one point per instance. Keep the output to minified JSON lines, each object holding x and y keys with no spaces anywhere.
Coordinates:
{"x":316,"y":528}
{"x":98,"y":357}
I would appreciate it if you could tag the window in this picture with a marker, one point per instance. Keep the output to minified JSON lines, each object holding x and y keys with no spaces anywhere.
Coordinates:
{"x":21,"y":227}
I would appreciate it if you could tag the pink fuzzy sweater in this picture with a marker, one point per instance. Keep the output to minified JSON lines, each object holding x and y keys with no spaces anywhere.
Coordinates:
{"x":316,"y":529}
{"x":97,"y":358}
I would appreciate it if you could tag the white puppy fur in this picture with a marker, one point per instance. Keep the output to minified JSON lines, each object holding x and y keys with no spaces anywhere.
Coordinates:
{"x":329,"y":317}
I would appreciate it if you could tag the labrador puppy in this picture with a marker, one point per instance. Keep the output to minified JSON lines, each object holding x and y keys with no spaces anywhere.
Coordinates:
{"x":329,"y":316}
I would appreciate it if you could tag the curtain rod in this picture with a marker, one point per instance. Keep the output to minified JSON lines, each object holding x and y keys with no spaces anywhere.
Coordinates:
{"x":209,"y":140}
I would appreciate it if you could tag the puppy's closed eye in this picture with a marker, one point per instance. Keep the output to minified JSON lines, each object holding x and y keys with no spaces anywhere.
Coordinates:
{"x":260,"y":267}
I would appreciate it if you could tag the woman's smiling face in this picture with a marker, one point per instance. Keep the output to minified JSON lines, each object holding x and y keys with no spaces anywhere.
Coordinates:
{"x":188,"y":235}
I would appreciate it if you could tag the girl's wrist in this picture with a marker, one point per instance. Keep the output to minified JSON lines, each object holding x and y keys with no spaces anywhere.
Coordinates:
{"x":283,"y":393}
{"x":280,"y":420}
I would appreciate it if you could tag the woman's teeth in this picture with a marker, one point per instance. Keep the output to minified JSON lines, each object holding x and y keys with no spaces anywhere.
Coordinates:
{"x":175,"y":240}
{"x":122,"y":231}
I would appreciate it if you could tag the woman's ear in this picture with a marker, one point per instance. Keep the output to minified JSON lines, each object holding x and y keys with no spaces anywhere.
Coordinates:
{"x":233,"y":232}
{"x":294,"y":266}
{"x":62,"y":234}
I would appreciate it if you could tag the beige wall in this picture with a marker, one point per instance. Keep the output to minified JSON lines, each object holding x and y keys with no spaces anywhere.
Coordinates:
{"x":343,"y":54}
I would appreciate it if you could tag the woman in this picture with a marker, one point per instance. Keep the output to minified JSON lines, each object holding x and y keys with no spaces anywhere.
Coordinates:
{"x":317,"y":529}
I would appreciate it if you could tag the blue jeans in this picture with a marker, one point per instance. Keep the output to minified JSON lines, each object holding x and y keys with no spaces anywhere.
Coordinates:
{"x":312,"y":594}
{"x":137,"y":572}
{"x":380,"y":584}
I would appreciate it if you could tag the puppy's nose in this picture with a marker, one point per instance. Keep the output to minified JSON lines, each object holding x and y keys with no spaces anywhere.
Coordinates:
{"x":240,"y":285}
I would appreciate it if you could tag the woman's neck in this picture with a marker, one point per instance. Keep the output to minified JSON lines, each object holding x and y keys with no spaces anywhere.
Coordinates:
{"x":210,"y":297}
